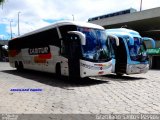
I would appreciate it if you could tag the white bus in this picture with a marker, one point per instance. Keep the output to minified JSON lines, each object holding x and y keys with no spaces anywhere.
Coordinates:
{"x":73,"y":49}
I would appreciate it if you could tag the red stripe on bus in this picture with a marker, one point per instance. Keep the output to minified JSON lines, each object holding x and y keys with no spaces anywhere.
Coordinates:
{"x":45,"y":56}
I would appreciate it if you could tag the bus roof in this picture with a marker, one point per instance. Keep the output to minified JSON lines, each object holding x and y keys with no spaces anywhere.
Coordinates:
{"x":80,"y":24}
{"x":122,"y":31}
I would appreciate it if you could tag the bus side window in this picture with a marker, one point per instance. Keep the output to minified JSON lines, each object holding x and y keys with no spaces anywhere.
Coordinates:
{"x":112,"y":46}
{"x":65,"y":29}
{"x":64,"y":48}
{"x":64,"y":43}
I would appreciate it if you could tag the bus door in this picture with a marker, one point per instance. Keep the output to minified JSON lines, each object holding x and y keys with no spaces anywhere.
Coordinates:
{"x":119,"y":55}
{"x":121,"y":58}
{"x":74,"y":55}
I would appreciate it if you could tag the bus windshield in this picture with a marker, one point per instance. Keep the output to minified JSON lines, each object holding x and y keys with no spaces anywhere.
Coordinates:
{"x":97,"y":47}
{"x":138,"y":50}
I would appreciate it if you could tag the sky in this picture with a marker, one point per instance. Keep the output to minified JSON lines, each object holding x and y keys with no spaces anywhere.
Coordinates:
{"x":35,"y":14}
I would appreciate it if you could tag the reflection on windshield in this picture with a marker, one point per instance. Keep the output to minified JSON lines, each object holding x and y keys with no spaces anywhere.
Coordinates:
{"x":138,"y":50}
{"x":96,"y":48}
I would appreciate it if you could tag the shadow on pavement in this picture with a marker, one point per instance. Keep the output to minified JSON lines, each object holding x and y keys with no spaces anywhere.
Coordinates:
{"x":52,"y":80}
{"x":123,"y":78}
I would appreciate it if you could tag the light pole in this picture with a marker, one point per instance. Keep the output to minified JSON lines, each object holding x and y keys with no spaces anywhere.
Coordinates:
{"x":11,"y":28}
{"x":18,"y":24}
{"x":73,"y":17}
{"x":141,"y":6}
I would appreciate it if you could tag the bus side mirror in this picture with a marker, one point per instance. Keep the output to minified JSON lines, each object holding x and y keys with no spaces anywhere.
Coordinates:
{"x":116,"y":39}
{"x":81,"y":35}
{"x":151,"y":40}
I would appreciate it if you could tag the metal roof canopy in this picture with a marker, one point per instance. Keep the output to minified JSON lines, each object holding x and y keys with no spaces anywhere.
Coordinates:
{"x":146,"y":22}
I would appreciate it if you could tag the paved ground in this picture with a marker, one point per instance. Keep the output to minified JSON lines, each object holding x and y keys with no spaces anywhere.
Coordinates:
{"x":108,"y":94}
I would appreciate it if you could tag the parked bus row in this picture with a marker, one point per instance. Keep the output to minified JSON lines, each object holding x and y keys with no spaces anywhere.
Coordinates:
{"x":79,"y":50}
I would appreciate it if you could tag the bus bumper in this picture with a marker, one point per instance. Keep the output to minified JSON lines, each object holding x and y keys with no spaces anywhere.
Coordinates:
{"x":88,"y":69}
{"x":137,"y":69}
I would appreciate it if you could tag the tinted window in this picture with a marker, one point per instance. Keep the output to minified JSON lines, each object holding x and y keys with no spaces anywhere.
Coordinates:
{"x":45,"y":38}
{"x":64,"y":29}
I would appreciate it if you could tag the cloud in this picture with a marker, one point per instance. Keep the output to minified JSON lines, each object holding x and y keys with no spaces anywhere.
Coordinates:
{"x":35,"y":14}
{"x":1,"y":37}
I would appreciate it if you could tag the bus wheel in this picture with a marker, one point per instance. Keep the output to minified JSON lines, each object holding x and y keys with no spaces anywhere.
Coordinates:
{"x":58,"y":70}
{"x":19,"y":66}
{"x":119,"y":74}
{"x":16,"y":65}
